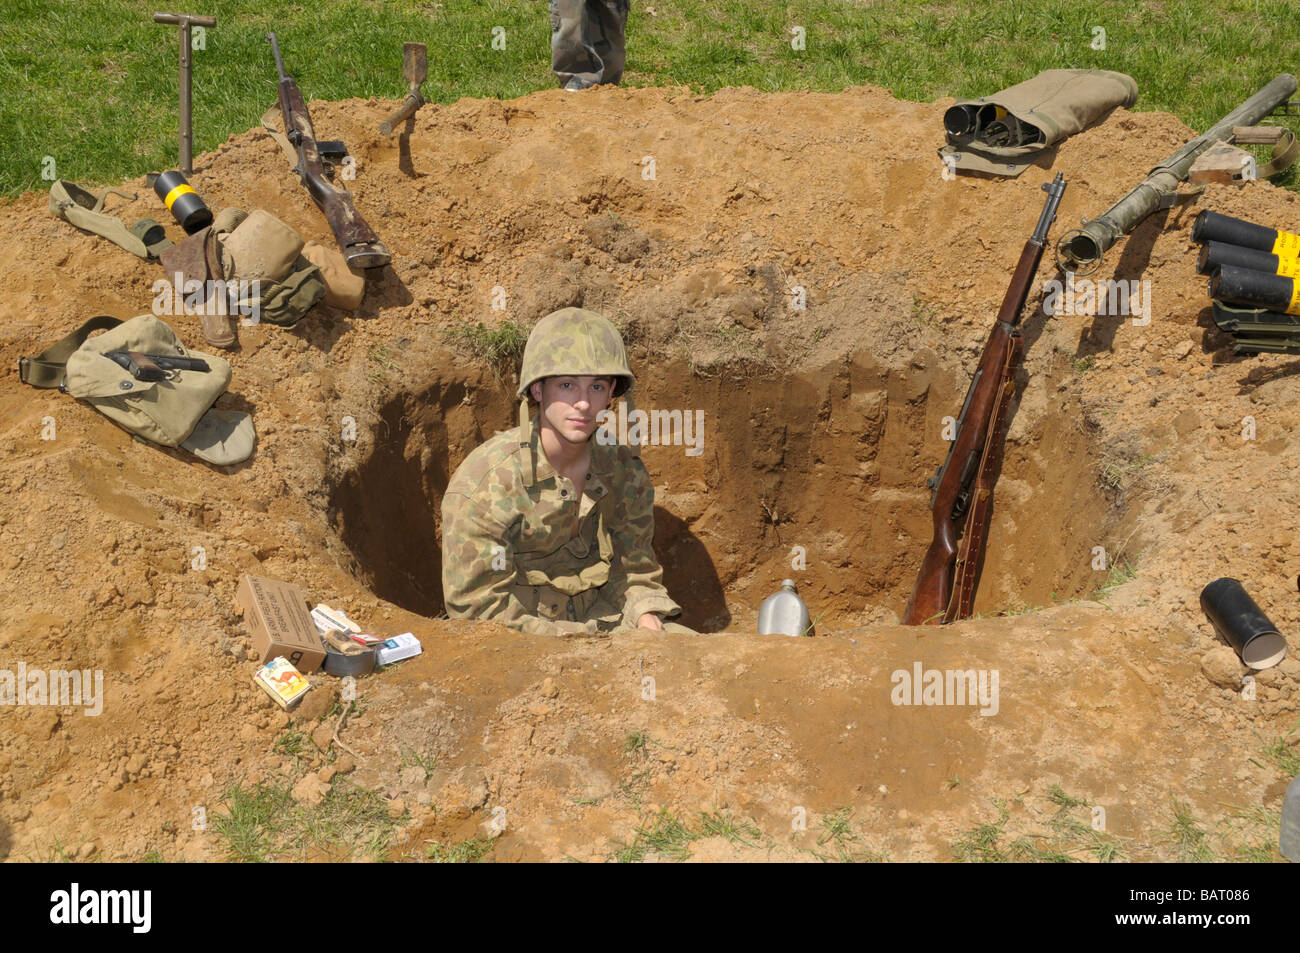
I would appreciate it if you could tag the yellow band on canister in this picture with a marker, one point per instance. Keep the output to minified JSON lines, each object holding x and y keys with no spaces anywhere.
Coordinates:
{"x":1294,"y":306}
{"x":183,"y":189}
{"x":1287,"y":245}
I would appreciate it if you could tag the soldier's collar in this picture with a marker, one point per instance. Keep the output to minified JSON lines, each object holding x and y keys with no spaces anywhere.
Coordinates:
{"x":538,"y":466}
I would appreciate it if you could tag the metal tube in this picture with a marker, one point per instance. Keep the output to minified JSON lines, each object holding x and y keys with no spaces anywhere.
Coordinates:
{"x":187,"y":133}
{"x":185,"y":145}
{"x":1085,"y":247}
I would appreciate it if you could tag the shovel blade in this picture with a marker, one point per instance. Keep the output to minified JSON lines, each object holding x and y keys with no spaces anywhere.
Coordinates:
{"x":415,"y":63}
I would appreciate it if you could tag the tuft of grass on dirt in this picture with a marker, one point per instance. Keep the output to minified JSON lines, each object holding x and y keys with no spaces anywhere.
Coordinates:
{"x":664,"y":834}
{"x":253,"y":820}
{"x":1284,"y":752}
{"x":263,"y":823}
{"x":410,"y":758}
{"x":1066,"y":838}
{"x":471,"y":851}
{"x":635,"y":743}
{"x":1251,"y":835}
{"x":981,"y":844}
{"x":1188,"y":837}
{"x":722,"y":824}
{"x":499,"y":347}
{"x":841,"y":843}
{"x":1122,"y":569}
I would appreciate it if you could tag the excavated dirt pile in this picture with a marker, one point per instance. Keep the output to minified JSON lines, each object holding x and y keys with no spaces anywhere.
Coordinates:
{"x":796,"y":268}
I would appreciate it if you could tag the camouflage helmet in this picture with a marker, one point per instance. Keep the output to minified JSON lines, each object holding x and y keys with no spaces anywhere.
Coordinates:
{"x":575,"y":342}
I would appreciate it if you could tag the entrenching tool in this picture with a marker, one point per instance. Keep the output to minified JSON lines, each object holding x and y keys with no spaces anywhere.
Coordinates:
{"x":415,"y":66}
{"x":185,"y":21}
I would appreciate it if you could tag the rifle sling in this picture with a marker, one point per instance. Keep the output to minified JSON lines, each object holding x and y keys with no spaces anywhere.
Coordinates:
{"x":271,"y":120}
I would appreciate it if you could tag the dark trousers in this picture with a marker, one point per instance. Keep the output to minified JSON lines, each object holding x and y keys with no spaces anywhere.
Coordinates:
{"x":588,"y":40}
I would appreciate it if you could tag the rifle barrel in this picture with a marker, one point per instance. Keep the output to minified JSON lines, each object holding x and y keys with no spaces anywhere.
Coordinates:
{"x":275,"y":48}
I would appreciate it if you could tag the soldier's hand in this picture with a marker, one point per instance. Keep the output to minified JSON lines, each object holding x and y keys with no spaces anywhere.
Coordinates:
{"x":649,"y":620}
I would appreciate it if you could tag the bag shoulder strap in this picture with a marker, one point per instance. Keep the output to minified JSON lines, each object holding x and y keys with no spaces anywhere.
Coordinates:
{"x":145,"y":239}
{"x":48,"y":368}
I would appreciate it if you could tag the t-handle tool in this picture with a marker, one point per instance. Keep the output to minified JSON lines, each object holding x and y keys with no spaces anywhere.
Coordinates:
{"x":185,"y":21}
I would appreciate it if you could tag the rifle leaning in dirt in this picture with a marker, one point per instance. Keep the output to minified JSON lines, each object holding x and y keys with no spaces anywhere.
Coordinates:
{"x":361,"y":246}
{"x":962,"y":501}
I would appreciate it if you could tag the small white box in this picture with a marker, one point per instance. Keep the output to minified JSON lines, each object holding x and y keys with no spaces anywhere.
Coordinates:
{"x":399,"y":647}
{"x":327,"y":619}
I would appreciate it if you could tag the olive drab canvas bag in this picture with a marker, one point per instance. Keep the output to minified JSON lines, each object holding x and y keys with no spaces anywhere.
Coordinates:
{"x":257,"y":257}
{"x":1005,"y":133}
{"x":171,"y":407}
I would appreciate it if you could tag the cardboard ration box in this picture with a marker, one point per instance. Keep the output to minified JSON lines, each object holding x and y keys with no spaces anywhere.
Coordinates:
{"x":279,"y":622}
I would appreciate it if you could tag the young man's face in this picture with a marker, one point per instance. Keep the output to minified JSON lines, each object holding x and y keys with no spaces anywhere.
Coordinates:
{"x":570,"y":405}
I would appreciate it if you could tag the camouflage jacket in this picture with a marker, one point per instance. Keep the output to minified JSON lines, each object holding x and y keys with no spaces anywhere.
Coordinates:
{"x":510,"y":553}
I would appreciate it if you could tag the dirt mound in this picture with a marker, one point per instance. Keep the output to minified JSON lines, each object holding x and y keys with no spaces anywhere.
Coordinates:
{"x":795,"y":266}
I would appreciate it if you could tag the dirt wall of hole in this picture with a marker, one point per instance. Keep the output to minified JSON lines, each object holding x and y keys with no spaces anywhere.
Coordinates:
{"x":825,"y":468}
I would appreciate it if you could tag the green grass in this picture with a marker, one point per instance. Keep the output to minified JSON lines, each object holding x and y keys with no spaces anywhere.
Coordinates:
{"x":410,"y":758}
{"x":500,"y":347}
{"x":839,"y":842}
{"x":1066,"y":839}
{"x":722,"y":824}
{"x":1188,"y":837}
{"x":469,"y":851}
{"x":664,"y":834}
{"x":382,"y":355}
{"x":635,"y":743}
{"x":1284,"y":752}
{"x":99,"y":79}
{"x":263,"y":823}
{"x":1122,"y":569}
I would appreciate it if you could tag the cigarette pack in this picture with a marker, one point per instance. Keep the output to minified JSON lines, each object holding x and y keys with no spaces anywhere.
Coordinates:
{"x":397,"y":648}
{"x":282,"y":682}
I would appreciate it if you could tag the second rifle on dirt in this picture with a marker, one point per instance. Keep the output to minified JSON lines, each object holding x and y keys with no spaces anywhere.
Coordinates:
{"x":360,"y":245}
{"x":962,"y":501}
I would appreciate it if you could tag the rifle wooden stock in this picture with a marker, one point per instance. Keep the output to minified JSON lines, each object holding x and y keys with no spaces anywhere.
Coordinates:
{"x":962,"y":504}
{"x":934,"y":583}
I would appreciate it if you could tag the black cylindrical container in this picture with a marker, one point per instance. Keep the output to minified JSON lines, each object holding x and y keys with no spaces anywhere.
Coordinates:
{"x":1242,"y":623}
{"x":1257,"y":288}
{"x":183,"y":202}
{"x":1213,"y":227}
{"x":1216,"y":254}
{"x":960,"y":120}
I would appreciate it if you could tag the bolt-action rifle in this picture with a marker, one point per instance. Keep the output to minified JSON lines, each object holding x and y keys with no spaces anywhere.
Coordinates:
{"x":361,"y":246}
{"x":962,"y":498}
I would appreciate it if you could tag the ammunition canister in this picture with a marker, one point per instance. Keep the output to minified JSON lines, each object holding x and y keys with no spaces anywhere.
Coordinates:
{"x":183,"y":202}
